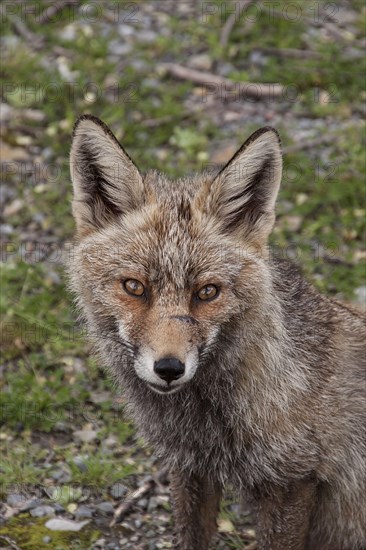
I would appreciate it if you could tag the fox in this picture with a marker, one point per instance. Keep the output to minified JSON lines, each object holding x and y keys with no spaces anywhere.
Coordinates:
{"x":233,"y":367}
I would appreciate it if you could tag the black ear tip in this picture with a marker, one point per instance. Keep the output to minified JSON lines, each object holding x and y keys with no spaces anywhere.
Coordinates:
{"x":264,"y":130}
{"x":272,"y":129}
{"x":91,"y":118}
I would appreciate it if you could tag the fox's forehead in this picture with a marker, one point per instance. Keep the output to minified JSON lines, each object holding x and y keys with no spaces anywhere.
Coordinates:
{"x":167,"y":241}
{"x":171,"y":242}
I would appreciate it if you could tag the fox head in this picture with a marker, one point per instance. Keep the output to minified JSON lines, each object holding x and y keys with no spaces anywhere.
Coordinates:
{"x":165,"y":269}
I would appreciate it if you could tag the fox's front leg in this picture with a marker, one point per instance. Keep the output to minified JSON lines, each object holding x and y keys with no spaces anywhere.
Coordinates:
{"x":195,"y":506}
{"x":284,"y":516}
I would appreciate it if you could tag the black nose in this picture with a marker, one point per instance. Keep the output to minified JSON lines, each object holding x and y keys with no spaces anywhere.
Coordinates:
{"x":169,"y":368}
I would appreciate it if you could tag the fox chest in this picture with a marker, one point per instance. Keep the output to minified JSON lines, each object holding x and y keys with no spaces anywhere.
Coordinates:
{"x":199,"y":441}
{"x":212,"y":442}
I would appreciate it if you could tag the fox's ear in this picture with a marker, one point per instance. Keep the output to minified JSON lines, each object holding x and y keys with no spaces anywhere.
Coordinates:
{"x":106,"y":182}
{"x":244,"y":193}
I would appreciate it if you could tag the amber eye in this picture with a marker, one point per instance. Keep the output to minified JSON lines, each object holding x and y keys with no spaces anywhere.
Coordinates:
{"x":208,"y":292}
{"x":134,"y":287}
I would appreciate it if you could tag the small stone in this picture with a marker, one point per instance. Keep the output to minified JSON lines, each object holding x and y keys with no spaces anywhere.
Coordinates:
{"x":46,"y":539}
{"x":72,"y":507}
{"x":41,"y":511}
{"x":83,"y":512}
{"x":301,"y":198}
{"x":105,"y":508}
{"x":30,"y":504}
{"x":99,"y":543}
{"x":324,"y":97}
{"x":127,"y":528}
{"x":69,"y":32}
{"x":235,"y":508}
{"x":80,"y":464}
{"x":202,"y":62}
{"x":58,"y":508}
{"x":359,"y":255}
{"x":118,"y":490}
{"x":60,"y":427}
{"x":60,"y":524}
{"x":6,"y":229}
{"x":117,"y":48}
{"x":110,"y":442}
{"x":86,"y":436}
{"x":225,"y":69}
{"x":149,"y":534}
{"x":13,"y":208}
{"x":360,"y":293}
{"x":138,"y":64}
{"x":14,"y":500}
{"x":257,"y":58}
{"x":143,"y":502}
{"x":152,"y":504}
{"x":125,"y":30}
{"x":143,"y":480}
{"x":225,"y":526}
{"x":147,"y":36}
{"x":57,"y":474}
{"x":6,"y":112}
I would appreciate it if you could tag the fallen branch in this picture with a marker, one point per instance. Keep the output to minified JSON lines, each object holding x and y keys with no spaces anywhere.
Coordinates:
{"x":153,"y":122}
{"x":22,"y":30}
{"x":10,"y":541}
{"x":289,"y":52}
{"x":230,"y":22}
{"x":157,"y":480}
{"x":126,"y":505}
{"x":334,"y":31}
{"x":226,"y":85}
{"x":54,"y":9}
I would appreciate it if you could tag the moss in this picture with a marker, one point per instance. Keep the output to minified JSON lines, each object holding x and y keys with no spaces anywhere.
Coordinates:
{"x":29,"y":534}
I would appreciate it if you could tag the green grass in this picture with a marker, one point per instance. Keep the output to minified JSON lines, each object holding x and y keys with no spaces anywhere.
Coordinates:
{"x":101,"y":470}
{"x":19,"y":466}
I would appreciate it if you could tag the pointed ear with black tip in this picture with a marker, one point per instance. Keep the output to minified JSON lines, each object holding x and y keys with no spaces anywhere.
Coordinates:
{"x":106,"y":182}
{"x":244,"y":193}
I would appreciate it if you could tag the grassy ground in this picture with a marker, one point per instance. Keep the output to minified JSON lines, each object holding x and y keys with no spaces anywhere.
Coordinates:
{"x":61,"y":421}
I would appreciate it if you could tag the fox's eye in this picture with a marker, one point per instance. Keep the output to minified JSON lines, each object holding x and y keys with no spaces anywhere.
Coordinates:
{"x":134,"y":287}
{"x":208,"y":292}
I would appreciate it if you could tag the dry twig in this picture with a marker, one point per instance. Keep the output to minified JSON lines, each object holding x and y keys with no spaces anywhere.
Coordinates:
{"x":54,"y":9}
{"x":226,"y":85}
{"x":290,"y":52}
{"x":157,"y":480}
{"x":11,"y":543}
{"x":127,"y":504}
{"x":230,"y":22}
{"x":22,"y":30}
